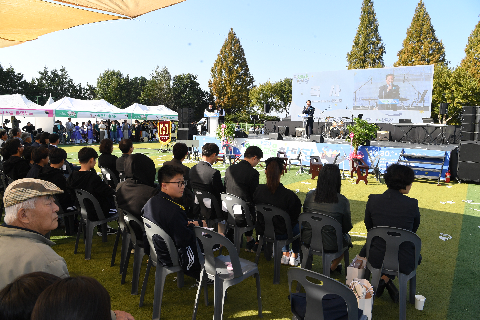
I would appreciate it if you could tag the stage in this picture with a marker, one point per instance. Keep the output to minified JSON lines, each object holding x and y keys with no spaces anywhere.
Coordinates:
{"x":381,"y":153}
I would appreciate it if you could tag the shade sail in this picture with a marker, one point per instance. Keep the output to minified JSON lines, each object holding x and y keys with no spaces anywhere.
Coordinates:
{"x":76,"y":108}
{"x":8,"y":43}
{"x":23,"y":20}
{"x":129,"y":8}
{"x":19,"y":106}
{"x":141,"y":112}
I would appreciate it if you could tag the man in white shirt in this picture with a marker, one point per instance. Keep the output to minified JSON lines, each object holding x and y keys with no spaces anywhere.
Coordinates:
{"x":69,"y":126}
{"x":102,"y":128}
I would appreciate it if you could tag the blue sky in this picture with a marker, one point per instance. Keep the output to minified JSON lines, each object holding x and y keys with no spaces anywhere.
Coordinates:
{"x":280,"y":38}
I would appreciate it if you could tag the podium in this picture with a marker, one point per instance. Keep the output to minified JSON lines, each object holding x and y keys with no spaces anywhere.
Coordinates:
{"x":212,"y":122}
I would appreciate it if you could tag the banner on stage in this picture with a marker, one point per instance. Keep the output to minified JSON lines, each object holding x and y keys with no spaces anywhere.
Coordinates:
{"x":382,"y":95}
{"x":164,"y":131}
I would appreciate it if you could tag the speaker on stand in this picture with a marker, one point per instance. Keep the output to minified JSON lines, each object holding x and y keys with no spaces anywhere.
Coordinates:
{"x":468,"y":168}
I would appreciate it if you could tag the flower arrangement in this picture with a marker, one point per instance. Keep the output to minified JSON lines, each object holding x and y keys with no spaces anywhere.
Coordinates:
{"x":355,"y":155}
{"x":361,"y":132}
{"x":226,"y":132}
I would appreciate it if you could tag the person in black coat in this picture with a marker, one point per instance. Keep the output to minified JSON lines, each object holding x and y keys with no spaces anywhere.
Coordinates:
{"x":139,"y":185}
{"x":275,"y":194}
{"x":242,"y":180}
{"x":107,"y":159}
{"x":205,"y":178}
{"x":40,"y":159}
{"x":14,"y":166}
{"x":126,"y":146}
{"x":403,"y":213}
{"x":170,"y":216}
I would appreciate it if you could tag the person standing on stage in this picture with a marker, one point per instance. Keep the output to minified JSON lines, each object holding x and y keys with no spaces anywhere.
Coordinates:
{"x":309,"y":110}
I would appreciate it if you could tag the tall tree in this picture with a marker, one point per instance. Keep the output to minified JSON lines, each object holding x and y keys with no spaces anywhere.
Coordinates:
{"x":158,"y":90}
{"x":11,"y":82}
{"x":231,"y":81}
{"x":277,"y":95}
{"x":119,"y":90}
{"x":421,"y":46}
{"x":471,"y":62}
{"x":368,"y":48}
{"x":187,"y":93}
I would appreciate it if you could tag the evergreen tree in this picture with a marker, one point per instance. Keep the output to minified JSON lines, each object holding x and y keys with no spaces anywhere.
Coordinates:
{"x":187,"y":93}
{"x":231,"y":80}
{"x":158,"y":90}
{"x":471,"y":62}
{"x":421,"y":46}
{"x":368,"y":49}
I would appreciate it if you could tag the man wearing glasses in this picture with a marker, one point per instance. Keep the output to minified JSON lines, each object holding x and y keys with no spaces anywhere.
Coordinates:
{"x":169,"y":215}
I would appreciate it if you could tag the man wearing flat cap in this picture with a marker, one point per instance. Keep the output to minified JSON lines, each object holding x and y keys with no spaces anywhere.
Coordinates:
{"x":30,"y":213}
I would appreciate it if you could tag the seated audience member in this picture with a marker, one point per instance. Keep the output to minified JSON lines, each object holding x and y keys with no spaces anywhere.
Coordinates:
{"x":27,"y":155}
{"x":107,"y":159}
{"x":403,"y":213}
{"x":53,"y":140}
{"x":16,"y":133}
{"x":14,"y":166}
{"x":54,"y":174}
{"x":18,"y":298}
{"x":171,"y":217}
{"x":139,"y":184}
{"x":27,"y":139}
{"x":126,"y":146}
{"x":205,"y":178}
{"x":3,"y":137}
{"x":88,"y":180}
{"x":37,"y":143}
{"x":44,"y":140}
{"x":180,"y":151}
{"x":275,"y":194}
{"x":327,"y":199}
{"x":242,"y":180}
{"x":79,"y":298}
{"x":40,"y":159}
{"x":30,"y":213}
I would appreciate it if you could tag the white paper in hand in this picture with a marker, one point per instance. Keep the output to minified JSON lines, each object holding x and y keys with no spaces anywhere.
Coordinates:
{"x":237,"y":209}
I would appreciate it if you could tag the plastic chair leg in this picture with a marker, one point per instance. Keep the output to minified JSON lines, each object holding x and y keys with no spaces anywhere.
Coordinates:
{"x":88,"y":240}
{"x":125,"y":245}
{"x":402,"y":297}
{"x":276,"y":262}
{"x":145,"y":282}
{"x":219,"y":300}
{"x":259,"y":294}
{"x":346,"y":260}
{"x":413,"y":288}
{"x":80,"y":227}
{"x":137,"y":263}
{"x":237,"y":236}
{"x":195,"y":306}
{"x":259,"y":249}
{"x":326,"y":265}
{"x":125,"y":264}
{"x":115,"y":247}
{"x":160,"y":274}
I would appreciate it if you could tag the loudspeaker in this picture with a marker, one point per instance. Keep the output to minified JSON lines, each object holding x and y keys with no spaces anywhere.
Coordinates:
{"x":266,"y":107}
{"x":185,"y":116}
{"x":468,"y":127}
{"x":468,"y":136}
{"x":443,"y":108}
{"x":383,"y":136}
{"x":469,"y":109}
{"x":240,"y":134}
{"x":469,"y":118}
{"x":275,"y":136}
{"x":318,"y":138}
{"x":469,"y":151}
{"x":404,"y":120}
{"x":469,"y":171}
{"x":183,"y":134}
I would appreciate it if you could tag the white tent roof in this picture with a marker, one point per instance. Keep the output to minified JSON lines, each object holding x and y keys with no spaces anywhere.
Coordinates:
{"x":19,"y":105}
{"x":76,"y":108}
{"x":140,"y":111}
{"x":49,"y":101}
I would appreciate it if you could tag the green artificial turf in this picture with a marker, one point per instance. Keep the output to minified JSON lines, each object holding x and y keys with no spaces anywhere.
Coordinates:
{"x":446,"y":277}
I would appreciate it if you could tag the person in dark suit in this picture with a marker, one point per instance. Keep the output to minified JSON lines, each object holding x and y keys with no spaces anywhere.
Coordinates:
{"x":107,"y":159}
{"x":403,"y":213}
{"x":242,"y":180}
{"x":309,"y":111}
{"x":389,"y":91}
{"x":40,"y":160}
{"x":205,"y":178}
{"x":126,"y":146}
{"x":14,"y":166}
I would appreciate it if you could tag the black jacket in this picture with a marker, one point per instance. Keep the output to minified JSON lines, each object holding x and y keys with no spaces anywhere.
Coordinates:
{"x":16,"y":167}
{"x":139,"y":186}
{"x":108,"y":161}
{"x":284,"y":199}
{"x":204,"y":177}
{"x":392,"y":209}
{"x":188,"y":198}
{"x":55,"y":176}
{"x":241,"y":180}
{"x":120,"y":165}
{"x":92,"y":183}
{"x":34,"y":171}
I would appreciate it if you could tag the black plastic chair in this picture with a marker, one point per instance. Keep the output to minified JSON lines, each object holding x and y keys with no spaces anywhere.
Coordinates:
{"x":215,"y":268}
{"x":84,"y":196}
{"x":393,"y":238}
{"x":206,"y":213}
{"x":317,"y":222}
{"x":314,"y":294}
{"x":136,"y":230}
{"x":69,"y":217}
{"x":109,"y":177}
{"x":234,"y":203}
{"x":151,"y":229}
{"x":121,"y":232}
{"x":269,"y":212}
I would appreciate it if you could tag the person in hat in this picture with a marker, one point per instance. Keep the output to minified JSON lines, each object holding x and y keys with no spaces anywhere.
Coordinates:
{"x":30,"y":213}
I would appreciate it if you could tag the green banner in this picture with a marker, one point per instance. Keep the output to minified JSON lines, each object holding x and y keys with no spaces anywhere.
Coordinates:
{"x":65,"y":113}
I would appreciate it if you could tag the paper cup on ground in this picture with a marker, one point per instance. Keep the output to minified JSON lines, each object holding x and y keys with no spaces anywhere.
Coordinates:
{"x":419,"y":302}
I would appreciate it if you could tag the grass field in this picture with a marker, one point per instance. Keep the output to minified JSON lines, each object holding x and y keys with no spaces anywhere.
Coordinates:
{"x":446,"y":277}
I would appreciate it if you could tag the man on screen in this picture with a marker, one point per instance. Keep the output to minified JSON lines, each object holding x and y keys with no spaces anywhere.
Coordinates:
{"x":389,"y":90}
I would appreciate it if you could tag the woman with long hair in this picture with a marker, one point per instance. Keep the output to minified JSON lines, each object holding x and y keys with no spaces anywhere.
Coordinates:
{"x":275,"y":194}
{"x":327,"y":199}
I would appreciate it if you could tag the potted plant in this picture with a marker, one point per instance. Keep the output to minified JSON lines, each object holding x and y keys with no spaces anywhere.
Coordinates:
{"x":361,"y":133}
{"x":226,"y":132}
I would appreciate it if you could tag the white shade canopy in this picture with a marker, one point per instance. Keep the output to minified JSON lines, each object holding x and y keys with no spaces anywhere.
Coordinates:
{"x":76,"y":108}
{"x":141,"y":112}
{"x":18,"y":105}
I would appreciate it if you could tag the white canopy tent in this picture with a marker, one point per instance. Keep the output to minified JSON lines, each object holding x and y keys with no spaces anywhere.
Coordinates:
{"x":141,"y":112}
{"x":76,"y":108}
{"x":19,"y":106}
